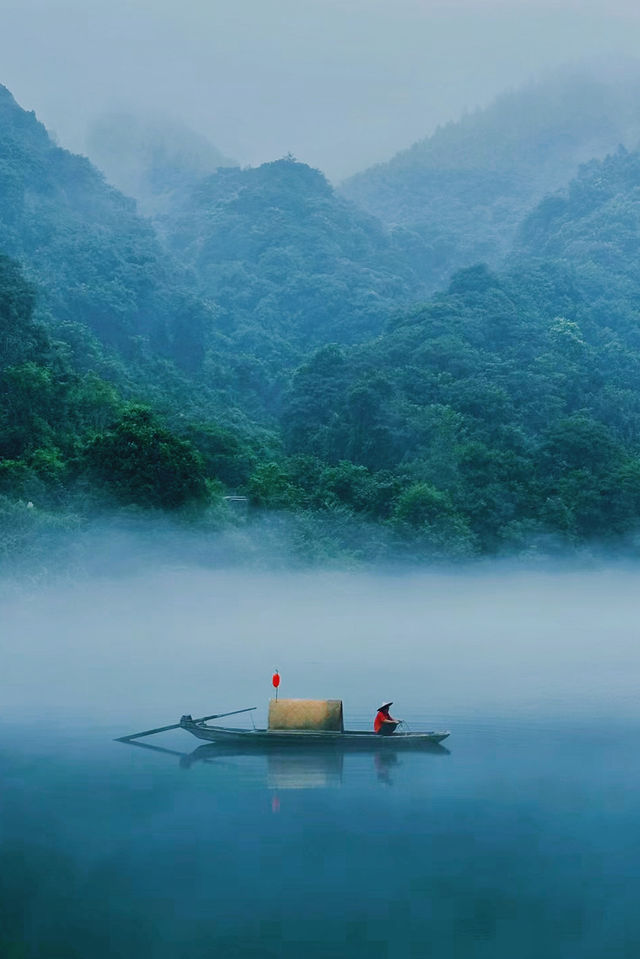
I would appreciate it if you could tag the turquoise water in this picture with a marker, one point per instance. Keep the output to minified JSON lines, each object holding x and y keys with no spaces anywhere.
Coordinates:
{"x":518,"y":839}
{"x":520,"y":842}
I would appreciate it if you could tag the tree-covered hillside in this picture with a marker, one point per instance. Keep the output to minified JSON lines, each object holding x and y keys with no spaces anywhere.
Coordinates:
{"x":65,"y":434}
{"x":289,"y":263}
{"x":251,"y":268}
{"x":593,"y":229}
{"x":501,"y":415}
{"x":102,"y":274}
{"x":46,"y":405}
{"x":463,"y":191}
{"x":508,"y":409}
{"x":485,"y":421}
{"x":109,"y":290}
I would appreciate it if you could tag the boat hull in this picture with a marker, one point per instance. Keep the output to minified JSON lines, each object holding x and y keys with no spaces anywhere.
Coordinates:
{"x":304,"y":737}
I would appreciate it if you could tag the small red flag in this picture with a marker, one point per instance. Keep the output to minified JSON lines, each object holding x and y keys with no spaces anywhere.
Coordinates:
{"x":276,"y":679}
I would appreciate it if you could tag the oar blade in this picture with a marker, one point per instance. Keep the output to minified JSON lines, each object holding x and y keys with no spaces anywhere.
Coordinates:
{"x":147,"y":732}
{"x":165,"y":729}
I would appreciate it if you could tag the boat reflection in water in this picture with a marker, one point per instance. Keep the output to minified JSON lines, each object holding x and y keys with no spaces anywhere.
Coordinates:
{"x":299,"y":767}
{"x":307,"y":770}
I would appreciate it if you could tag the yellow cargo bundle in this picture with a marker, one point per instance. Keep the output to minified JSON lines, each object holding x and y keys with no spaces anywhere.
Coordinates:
{"x":323,"y":714}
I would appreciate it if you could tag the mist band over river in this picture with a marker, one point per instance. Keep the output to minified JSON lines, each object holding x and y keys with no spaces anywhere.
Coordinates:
{"x":519,"y":838}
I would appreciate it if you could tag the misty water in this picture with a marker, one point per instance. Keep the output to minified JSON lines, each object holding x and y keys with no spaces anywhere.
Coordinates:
{"x":518,"y":839}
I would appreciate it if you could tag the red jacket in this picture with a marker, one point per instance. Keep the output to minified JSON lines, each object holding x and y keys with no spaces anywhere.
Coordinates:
{"x":380,"y":719}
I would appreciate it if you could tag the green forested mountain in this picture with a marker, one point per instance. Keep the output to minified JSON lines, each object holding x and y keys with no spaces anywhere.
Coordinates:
{"x":264,"y":342}
{"x":463,"y":191}
{"x":489,"y":421}
{"x":252,"y":267}
{"x":508,"y":409}
{"x":593,"y":230}
{"x":289,"y":263}
{"x":103,"y":276}
{"x":153,"y":160}
{"x":106,"y":286}
{"x":94,"y":313}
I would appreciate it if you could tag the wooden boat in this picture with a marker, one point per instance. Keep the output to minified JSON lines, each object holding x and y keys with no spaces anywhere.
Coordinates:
{"x":307,"y":737}
{"x":296,"y":723}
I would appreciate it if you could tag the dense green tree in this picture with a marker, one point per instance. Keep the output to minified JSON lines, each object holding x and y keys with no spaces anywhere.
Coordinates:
{"x":143,"y":464}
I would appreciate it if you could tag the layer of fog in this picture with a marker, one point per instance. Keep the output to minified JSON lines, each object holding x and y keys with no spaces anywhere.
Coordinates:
{"x":340,"y":83}
{"x":448,"y":648}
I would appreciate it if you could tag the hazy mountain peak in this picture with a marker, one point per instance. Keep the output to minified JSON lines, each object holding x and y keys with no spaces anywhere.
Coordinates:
{"x":465,"y":188}
{"x":280,"y":251}
{"x":14,"y":121}
{"x":151,"y":157}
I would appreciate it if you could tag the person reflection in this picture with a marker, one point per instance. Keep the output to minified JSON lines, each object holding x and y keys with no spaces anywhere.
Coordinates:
{"x":383,"y":762}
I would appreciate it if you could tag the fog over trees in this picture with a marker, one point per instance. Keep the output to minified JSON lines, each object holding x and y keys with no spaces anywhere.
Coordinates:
{"x":435,"y":360}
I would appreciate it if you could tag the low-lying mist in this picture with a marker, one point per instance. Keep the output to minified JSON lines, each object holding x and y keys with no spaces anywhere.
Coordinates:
{"x":145,"y":641}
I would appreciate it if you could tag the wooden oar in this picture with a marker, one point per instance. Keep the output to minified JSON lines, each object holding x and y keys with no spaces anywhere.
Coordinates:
{"x":164,"y":729}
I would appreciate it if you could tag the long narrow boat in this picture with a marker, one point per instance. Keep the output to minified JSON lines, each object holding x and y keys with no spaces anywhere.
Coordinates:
{"x":295,"y":722}
{"x":291,"y":737}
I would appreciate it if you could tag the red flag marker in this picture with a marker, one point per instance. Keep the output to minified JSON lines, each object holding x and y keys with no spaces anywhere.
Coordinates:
{"x":275,"y":679}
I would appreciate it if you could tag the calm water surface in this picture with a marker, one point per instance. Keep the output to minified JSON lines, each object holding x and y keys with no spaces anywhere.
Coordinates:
{"x":519,"y":839}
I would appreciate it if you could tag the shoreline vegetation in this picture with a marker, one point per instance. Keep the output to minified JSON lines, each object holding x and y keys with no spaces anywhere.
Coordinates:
{"x":40,"y":548}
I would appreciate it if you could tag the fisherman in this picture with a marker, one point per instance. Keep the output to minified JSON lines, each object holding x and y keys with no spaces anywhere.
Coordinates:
{"x":384,"y":724}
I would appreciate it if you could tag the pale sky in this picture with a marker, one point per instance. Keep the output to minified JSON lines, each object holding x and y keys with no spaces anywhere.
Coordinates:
{"x":339,"y":83}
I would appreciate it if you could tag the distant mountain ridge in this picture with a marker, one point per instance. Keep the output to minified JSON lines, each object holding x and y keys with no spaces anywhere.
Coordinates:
{"x":464,"y":190}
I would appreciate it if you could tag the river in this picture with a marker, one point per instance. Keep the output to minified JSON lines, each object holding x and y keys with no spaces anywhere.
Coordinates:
{"x":518,"y":839}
